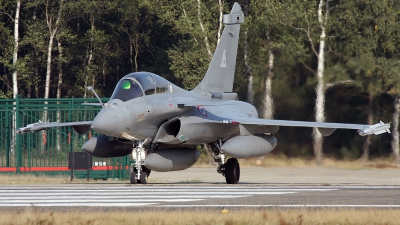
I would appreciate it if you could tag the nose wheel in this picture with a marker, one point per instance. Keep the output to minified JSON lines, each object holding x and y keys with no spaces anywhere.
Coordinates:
{"x":132,"y":178}
{"x":143,"y":177}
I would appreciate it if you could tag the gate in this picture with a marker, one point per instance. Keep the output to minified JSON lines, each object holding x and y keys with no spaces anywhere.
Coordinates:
{"x":46,"y":152}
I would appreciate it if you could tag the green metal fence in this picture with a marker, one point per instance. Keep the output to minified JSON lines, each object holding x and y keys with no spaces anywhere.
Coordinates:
{"x":46,"y":152}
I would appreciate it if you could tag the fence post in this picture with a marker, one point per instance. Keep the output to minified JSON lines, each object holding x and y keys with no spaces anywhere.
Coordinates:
{"x":8,"y":135}
{"x":113,"y":167}
{"x":18,"y":149}
{"x":123,"y":168}
{"x":71,"y":149}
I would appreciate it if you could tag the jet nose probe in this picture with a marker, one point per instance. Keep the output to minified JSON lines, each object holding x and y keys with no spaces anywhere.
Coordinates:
{"x":90,"y":88}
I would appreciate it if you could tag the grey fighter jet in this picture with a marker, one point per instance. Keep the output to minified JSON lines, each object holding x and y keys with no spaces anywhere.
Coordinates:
{"x":161,"y":124}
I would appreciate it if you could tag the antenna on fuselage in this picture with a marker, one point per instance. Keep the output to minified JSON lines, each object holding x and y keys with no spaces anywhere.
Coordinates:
{"x":90,"y":88}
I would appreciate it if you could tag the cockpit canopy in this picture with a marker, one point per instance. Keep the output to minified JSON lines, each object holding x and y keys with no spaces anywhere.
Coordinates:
{"x":139,"y":84}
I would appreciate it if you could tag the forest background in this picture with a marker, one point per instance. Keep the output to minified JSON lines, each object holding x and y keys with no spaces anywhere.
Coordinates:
{"x":310,"y":60}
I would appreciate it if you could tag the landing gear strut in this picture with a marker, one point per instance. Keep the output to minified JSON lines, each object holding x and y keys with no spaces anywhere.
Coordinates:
{"x":230,"y":169}
{"x":140,"y":173}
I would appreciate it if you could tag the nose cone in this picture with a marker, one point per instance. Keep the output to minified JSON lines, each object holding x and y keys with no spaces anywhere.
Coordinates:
{"x":106,"y":122}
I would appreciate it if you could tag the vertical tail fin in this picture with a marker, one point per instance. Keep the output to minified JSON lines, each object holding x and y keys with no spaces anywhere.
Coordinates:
{"x":220,"y":73}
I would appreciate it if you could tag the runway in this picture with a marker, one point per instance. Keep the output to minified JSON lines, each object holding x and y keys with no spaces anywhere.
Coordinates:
{"x":203,"y":188}
{"x":196,"y":196}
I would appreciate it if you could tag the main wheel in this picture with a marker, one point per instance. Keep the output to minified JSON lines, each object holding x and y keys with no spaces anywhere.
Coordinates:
{"x":143,"y":177}
{"x":147,"y":170}
{"x":132,"y":178}
{"x":232,"y":171}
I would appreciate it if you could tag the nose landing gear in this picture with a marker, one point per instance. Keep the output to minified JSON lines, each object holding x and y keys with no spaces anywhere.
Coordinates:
{"x":139,"y":173}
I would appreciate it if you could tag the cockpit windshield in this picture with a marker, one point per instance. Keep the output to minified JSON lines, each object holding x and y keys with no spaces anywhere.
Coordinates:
{"x":147,"y":82}
{"x":139,"y":84}
{"x":127,"y":89}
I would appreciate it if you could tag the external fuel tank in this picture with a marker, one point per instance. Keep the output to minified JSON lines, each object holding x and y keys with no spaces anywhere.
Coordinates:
{"x":242,"y":147}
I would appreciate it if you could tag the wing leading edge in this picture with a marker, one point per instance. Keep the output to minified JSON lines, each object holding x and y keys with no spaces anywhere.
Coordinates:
{"x":80,"y":127}
{"x":326,"y":129}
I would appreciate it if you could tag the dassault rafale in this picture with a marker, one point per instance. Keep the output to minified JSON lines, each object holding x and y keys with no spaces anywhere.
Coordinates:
{"x":161,"y":124}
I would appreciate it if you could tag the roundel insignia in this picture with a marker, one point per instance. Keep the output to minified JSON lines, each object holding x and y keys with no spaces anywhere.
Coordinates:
{"x":202,"y":111}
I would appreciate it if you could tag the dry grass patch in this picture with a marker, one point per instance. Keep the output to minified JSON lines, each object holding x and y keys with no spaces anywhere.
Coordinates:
{"x":283,"y":161}
{"x":13,"y":179}
{"x":203,"y":217}
{"x":32,"y":179}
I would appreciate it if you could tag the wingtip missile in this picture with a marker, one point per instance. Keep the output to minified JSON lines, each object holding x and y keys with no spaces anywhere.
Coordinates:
{"x":31,"y":127}
{"x":23,"y":130}
{"x":376,"y":129}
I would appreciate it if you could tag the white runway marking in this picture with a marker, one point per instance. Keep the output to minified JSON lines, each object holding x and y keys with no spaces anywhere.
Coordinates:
{"x":161,"y":196}
{"x":129,"y":196}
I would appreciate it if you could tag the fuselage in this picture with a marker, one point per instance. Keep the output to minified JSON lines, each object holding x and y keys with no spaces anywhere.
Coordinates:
{"x":136,"y":114}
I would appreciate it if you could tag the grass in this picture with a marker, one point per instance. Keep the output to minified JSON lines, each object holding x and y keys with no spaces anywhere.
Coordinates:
{"x":13,"y":179}
{"x":282,"y":161}
{"x":203,"y":217}
{"x":191,"y":181}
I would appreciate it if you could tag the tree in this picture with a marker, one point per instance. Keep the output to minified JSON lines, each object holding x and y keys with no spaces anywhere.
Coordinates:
{"x":15,"y":54}
{"x":52,"y":23}
{"x":250,"y":94}
{"x":16,"y":21}
{"x":267,"y":39}
{"x":302,"y":16}
{"x":369,"y":53}
{"x":196,"y":35}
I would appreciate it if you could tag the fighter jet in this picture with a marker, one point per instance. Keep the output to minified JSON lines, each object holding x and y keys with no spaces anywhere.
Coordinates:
{"x":161,"y":124}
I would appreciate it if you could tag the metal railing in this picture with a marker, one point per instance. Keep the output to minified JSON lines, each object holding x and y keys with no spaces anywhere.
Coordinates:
{"x":46,"y":152}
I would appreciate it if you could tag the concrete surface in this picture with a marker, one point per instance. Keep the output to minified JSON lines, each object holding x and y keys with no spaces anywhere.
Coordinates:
{"x":296,"y":176}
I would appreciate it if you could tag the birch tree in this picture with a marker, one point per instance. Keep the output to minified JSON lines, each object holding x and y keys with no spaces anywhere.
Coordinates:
{"x":249,"y":75}
{"x":303,"y":21}
{"x":395,"y":131}
{"x":210,"y":54}
{"x":221,"y":13}
{"x":15,"y":73}
{"x":268,"y":37}
{"x":15,"y":53}
{"x":52,"y":24}
{"x":268,"y":102}
{"x":387,"y":27}
{"x":320,"y":99}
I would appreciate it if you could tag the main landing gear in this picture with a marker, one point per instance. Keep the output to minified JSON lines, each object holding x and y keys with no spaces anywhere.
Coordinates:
{"x":139,"y":173}
{"x":230,"y":169}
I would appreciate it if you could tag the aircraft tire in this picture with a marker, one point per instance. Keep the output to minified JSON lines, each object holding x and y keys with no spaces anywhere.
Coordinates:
{"x":147,"y":170}
{"x":143,"y":178}
{"x":232,"y":171}
{"x":132,"y":178}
